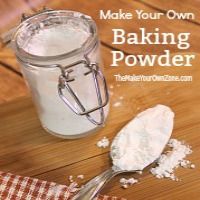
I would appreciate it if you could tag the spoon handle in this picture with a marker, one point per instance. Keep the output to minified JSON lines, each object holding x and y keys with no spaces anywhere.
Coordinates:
{"x":92,"y":188}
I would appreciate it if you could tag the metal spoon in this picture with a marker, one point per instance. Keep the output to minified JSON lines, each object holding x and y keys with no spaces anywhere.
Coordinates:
{"x":94,"y":186}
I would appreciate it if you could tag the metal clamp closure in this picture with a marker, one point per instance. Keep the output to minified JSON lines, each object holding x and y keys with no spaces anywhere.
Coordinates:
{"x":65,"y":79}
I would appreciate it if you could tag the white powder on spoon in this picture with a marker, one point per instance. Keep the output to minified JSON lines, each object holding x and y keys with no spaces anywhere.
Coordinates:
{"x":143,"y":139}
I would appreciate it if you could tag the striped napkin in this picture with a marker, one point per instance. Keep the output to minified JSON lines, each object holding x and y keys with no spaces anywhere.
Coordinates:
{"x":14,"y":187}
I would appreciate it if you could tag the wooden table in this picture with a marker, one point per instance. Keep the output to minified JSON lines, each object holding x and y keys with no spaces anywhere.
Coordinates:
{"x":26,"y":149}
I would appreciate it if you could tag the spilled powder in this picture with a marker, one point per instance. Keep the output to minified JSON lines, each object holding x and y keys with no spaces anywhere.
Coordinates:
{"x":74,"y":186}
{"x":125,"y":183}
{"x":111,"y":86}
{"x":103,"y":143}
{"x":172,"y":159}
{"x":138,"y":108}
{"x":117,"y":104}
{"x":167,"y":163}
{"x":81,"y":176}
{"x":70,"y":178}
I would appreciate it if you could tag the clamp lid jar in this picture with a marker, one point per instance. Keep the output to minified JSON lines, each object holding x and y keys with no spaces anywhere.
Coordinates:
{"x":59,"y":55}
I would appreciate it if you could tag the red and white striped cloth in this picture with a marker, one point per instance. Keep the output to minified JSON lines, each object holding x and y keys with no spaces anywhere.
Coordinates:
{"x":14,"y":187}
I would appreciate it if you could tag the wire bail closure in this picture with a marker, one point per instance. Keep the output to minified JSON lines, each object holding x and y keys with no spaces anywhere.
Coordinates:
{"x":65,"y":79}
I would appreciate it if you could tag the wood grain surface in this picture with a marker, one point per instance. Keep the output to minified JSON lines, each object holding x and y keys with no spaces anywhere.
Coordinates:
{"x":11,"y":12}
{"x":12,"y":85}
{"x":26,"y":149}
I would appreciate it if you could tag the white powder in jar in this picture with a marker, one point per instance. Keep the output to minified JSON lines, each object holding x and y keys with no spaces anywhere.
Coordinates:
{"x":143,"y":139}
{"x":54,"y":114}
{"x":55,"y":41}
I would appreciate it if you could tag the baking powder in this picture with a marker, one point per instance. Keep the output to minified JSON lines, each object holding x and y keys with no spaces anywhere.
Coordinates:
{"x":54,"y":114}
{"x":143,"y":139}
{"x":172,"y":159}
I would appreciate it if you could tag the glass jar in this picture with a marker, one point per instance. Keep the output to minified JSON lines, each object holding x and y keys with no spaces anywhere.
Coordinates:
{"x":59,"y":55}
